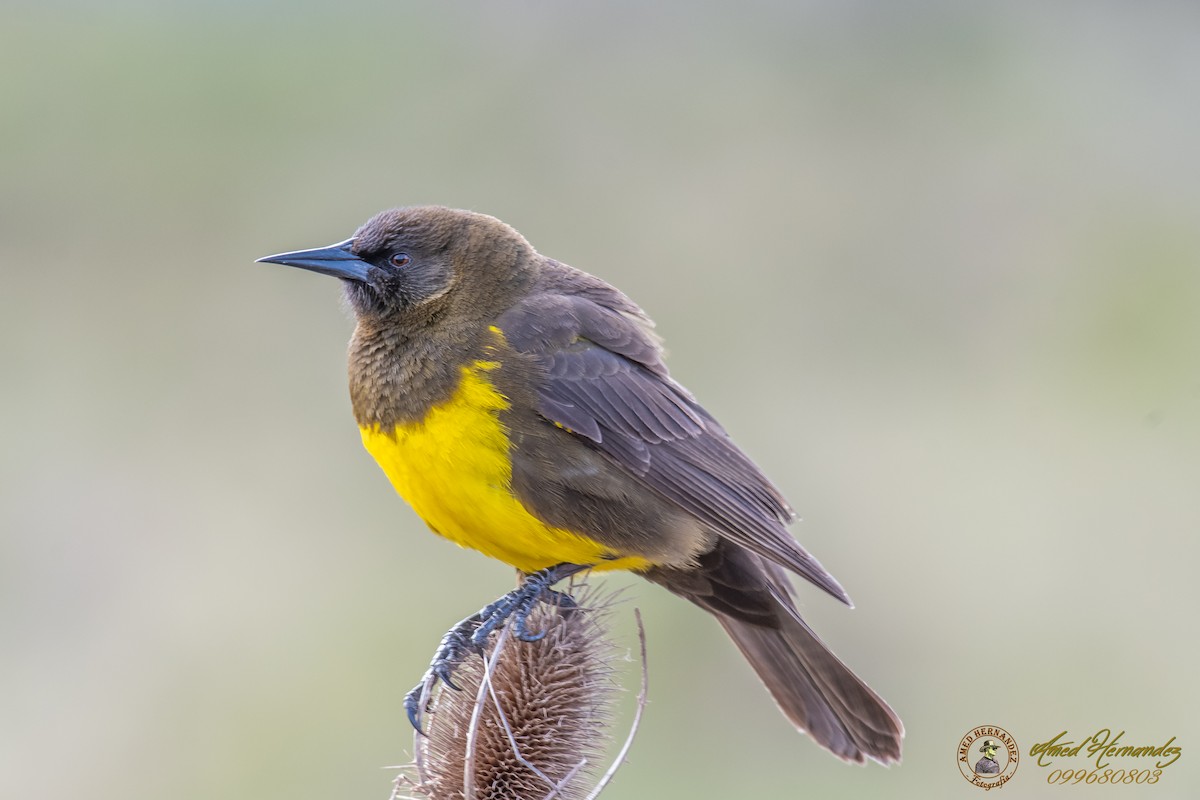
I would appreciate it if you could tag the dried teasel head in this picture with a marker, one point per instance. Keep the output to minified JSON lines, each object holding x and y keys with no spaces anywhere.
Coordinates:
{"x":532,"y":720}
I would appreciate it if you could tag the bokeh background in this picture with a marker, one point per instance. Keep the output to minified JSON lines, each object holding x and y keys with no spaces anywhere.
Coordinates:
{"x":935,"y":265}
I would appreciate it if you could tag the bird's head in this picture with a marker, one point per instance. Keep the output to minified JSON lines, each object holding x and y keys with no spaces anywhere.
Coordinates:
{"x":413,"y":262}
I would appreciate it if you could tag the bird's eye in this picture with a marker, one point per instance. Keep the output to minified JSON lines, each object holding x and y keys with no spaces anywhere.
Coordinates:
{"x":400,"y":259}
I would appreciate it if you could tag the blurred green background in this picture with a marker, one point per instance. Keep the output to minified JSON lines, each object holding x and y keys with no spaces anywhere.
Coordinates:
{"x":935,"y":265}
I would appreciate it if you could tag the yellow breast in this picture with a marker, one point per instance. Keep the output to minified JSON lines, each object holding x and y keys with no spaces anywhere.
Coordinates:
{"x":453,"y":468}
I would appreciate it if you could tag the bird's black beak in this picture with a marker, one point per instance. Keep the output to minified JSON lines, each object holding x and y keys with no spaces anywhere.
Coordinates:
{"x":336,"y":260}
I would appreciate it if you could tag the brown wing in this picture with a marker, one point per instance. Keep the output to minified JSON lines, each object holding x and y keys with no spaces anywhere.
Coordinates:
{"x":604,"y":380}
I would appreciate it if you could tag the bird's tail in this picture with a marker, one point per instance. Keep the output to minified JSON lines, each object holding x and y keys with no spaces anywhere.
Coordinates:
{"x":814,"y":689}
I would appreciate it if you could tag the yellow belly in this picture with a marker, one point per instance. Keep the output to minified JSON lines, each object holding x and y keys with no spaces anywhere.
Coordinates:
{"x":453,"y":468}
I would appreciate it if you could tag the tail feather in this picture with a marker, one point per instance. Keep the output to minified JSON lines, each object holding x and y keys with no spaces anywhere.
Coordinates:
{"x":817,"y":692}
{"x":813,"y":688}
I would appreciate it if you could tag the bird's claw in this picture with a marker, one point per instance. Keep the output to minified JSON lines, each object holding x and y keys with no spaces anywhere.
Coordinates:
{"x":443,"y":673}
{"x":450,"y":653}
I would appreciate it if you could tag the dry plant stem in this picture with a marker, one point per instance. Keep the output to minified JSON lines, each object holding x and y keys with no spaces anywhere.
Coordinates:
{"x":418,"y":751}
{"x":508,"y":733}
{"x":566,"y":781}
{"x":473,"y":730}
{"x":637,"y":716}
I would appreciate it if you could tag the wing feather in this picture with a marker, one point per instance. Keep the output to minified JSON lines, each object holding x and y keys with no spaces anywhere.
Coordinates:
{"x":605,"y":382}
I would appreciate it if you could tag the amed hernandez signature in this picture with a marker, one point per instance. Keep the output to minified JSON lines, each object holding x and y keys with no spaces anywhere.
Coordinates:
{"x":1102,"y":745}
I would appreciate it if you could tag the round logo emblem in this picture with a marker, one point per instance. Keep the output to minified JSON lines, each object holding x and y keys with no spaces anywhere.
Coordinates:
{"x":988,"y":756}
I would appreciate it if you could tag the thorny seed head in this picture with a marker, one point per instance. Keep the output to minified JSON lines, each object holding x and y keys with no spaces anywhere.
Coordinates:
{"x":556,"y":696}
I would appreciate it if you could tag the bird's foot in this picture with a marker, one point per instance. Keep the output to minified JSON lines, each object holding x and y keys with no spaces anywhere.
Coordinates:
{"x":471,"y":634}
{"x":518,"y":604}
{"x":451,"y":652}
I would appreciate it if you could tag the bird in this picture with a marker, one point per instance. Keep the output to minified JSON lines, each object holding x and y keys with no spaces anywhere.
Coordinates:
{"x":523,"y":408}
